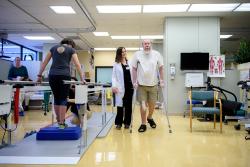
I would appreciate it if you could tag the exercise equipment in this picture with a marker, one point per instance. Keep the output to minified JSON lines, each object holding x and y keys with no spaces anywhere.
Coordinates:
{"x":71,"y":133}
{"x":29,"y":133}
{"x":245,"y":86}
{"x":53,"y":133}
{"x":46,"y":99}
{"x":19,"y":86}
{"x":7,"y":87}
{"x":5,"y":114}
{"x":232,"y":109}
{"x":81,"y":99}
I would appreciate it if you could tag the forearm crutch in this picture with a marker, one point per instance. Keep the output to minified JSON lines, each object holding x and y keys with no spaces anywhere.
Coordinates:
{"x":133,"y":109}
{"x":165,"y":109}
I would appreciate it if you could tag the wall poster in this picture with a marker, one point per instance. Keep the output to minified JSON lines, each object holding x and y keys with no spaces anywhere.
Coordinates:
{"x":216,"y":66}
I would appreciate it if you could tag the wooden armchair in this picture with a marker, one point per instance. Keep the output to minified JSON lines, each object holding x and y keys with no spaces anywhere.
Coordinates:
{"x":205,"y":96}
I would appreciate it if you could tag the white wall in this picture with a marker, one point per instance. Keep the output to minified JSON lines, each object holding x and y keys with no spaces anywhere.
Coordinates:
{"x":32,"y":68}
{"x":186,"y":34}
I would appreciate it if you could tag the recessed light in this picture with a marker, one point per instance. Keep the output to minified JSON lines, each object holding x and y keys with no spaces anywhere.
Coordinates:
{"x":101,"y":33}
{"x":39,"y":37}
{"x":119,"y":9}
{"x":63,"y":9}
{"x":165,"y":8}
{"x":213,"y":7}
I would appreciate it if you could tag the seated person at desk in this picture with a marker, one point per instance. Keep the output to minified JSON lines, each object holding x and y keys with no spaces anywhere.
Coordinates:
{"x":18,"y":72}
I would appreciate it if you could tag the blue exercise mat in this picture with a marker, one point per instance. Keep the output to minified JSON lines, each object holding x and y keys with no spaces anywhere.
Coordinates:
{"x":54,"y":133}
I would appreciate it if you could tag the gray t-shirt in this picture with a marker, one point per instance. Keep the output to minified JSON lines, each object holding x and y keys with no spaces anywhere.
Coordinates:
{"x":61,"y":57}
{"x":147,"y":65}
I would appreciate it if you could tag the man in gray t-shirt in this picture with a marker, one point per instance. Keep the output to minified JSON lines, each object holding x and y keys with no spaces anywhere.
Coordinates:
{"x":145,"y":65}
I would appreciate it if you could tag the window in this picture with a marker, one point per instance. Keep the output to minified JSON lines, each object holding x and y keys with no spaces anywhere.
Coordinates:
{"x":103,"y":74}
{"x":29,"y":54}
{"x":11,"y":50}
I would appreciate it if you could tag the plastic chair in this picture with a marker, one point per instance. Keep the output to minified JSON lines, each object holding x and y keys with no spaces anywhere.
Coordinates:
{"x":205,"y":96}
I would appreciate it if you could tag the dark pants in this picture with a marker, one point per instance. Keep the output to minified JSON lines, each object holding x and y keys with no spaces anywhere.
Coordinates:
{"x":124,"y":113}
{"x":59,"y":89}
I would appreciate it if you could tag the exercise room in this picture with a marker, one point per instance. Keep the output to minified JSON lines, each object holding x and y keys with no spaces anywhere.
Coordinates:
{"x":127,"y":84}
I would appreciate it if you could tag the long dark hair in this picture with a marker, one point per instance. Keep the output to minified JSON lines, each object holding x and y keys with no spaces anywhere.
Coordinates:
{"x":118,"y":57}
{"x":68,"y":41}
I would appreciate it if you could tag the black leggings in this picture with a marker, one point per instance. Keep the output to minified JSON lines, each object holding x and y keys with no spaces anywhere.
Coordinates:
{"x":59,"y":89}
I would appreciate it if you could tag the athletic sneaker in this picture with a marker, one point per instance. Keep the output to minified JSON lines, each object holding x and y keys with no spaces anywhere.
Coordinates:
{"x":62,"y":126}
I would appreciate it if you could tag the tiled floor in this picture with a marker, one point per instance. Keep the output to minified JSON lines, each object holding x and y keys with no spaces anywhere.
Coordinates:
{"x":204,"y":147}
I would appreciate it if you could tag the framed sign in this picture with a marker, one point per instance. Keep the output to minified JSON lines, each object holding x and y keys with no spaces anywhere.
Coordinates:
{"x":194,"y":80}
{"x":216,"y":66}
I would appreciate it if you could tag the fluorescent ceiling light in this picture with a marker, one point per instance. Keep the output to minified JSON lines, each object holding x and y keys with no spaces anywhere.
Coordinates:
{"x":213,"y":7}
{"x":225,"y":36}
{"x":105,"y":49}
{"x":165,"y":8}
{"x":243,"y":7}
{"x":101,"y":33}
{"x":125,"y":37}
{"x":63,"y":9}
{"x":39,"y":37}
{"x":152,"y":37}
{"x":119,"y":9}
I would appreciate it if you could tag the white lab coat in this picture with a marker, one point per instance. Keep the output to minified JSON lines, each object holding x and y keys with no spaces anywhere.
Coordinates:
{"x":118,"y":82}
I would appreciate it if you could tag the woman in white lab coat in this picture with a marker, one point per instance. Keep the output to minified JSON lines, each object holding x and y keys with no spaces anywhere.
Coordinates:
{"x":123,"y":88}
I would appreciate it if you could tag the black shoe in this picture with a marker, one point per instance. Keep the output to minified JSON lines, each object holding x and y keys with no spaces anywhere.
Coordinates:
{"x":142,"y":128}
{"x":126,"y":127}
{"x":118,"y":127}
{"x":151,"y":123}
{"x":26,"y":108}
